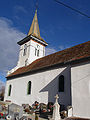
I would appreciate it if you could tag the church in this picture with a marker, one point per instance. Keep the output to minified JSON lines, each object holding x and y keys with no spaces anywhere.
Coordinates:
{"x":37,"y":77}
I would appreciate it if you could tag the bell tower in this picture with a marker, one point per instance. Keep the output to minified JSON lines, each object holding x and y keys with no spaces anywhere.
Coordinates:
{"x":32,"y":47}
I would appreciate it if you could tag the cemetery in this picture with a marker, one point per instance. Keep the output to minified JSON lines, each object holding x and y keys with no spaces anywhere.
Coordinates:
{"x":38,"y":111}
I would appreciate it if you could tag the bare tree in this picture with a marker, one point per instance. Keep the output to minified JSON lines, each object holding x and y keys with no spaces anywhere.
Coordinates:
{"x":2,"y":91}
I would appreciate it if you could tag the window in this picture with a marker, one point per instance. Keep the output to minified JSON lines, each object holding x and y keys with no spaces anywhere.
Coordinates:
{"x":29,"y":88}
{"x":43,"y":51}
{"x":61,"y":84}
{"x":25,"y":50}
{"x":9,"y":90}
{"x":37,"y":51}
{"x":26,"y":61}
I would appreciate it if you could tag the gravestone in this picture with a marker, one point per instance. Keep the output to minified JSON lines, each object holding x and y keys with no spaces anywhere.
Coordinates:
{"x":0,"y":108}
{"x":70,"y":111}
{"x":15,"y":111}
{"x":8,"y":117}
{"x":56,"y":114}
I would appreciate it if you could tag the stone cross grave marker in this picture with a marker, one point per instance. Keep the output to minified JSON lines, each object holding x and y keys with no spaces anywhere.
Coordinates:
{"x":56,"y":108}
{"x":56,"y":98}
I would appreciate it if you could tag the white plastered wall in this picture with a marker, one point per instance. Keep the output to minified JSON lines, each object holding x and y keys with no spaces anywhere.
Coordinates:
{"x":44,"y":86}
{"x":22,"y":58}
{"x":30,"y":54}
{"x":80,"y":76}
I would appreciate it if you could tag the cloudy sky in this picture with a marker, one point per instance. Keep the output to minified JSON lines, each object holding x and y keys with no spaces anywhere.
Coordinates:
{"x":60,"y":27}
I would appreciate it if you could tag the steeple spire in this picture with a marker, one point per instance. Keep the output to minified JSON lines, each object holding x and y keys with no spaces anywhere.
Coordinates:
{"x":34,"y":29}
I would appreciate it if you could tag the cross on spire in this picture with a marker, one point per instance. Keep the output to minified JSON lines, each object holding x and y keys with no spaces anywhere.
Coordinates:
{"x":36,"y":6}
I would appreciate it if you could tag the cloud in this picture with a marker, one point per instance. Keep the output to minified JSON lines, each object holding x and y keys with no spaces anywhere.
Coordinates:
{"x":50,"y":50}
{"x":9,"y":49}
{"x":20,"y":9}
{"x":62,"y":47}
{"x":19,"y":13}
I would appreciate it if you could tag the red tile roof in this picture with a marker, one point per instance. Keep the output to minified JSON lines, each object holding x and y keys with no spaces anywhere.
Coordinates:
{"x":70,"y":54}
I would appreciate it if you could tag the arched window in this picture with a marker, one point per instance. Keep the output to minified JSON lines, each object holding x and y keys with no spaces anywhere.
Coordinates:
{"x":26,"y":62}
{"x":25,"y":49}
{"x":29,"y":88}
{"x":37,"y":51}
{"x":9,"y":90}
{"x":61,"y":84}
{"x":38,"y":47}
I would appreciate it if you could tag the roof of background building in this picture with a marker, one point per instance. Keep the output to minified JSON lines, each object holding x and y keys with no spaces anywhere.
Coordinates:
{"x":70,"y":54}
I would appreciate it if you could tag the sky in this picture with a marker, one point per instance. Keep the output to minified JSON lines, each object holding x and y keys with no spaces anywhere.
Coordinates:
{"x":59,"y":26}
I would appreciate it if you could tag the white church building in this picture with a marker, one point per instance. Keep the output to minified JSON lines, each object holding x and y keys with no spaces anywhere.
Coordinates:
{"x":39,"y":78}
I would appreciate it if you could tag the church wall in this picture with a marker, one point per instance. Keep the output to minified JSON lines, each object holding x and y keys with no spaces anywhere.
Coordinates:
{"x":44,"y":86}
{"x":33,"y":46}
{"x":80,"y":76}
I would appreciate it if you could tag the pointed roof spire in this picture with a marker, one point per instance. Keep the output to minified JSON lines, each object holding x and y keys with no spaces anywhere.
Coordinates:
{"x":34,"y":29}
{"x":34,"y":32}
